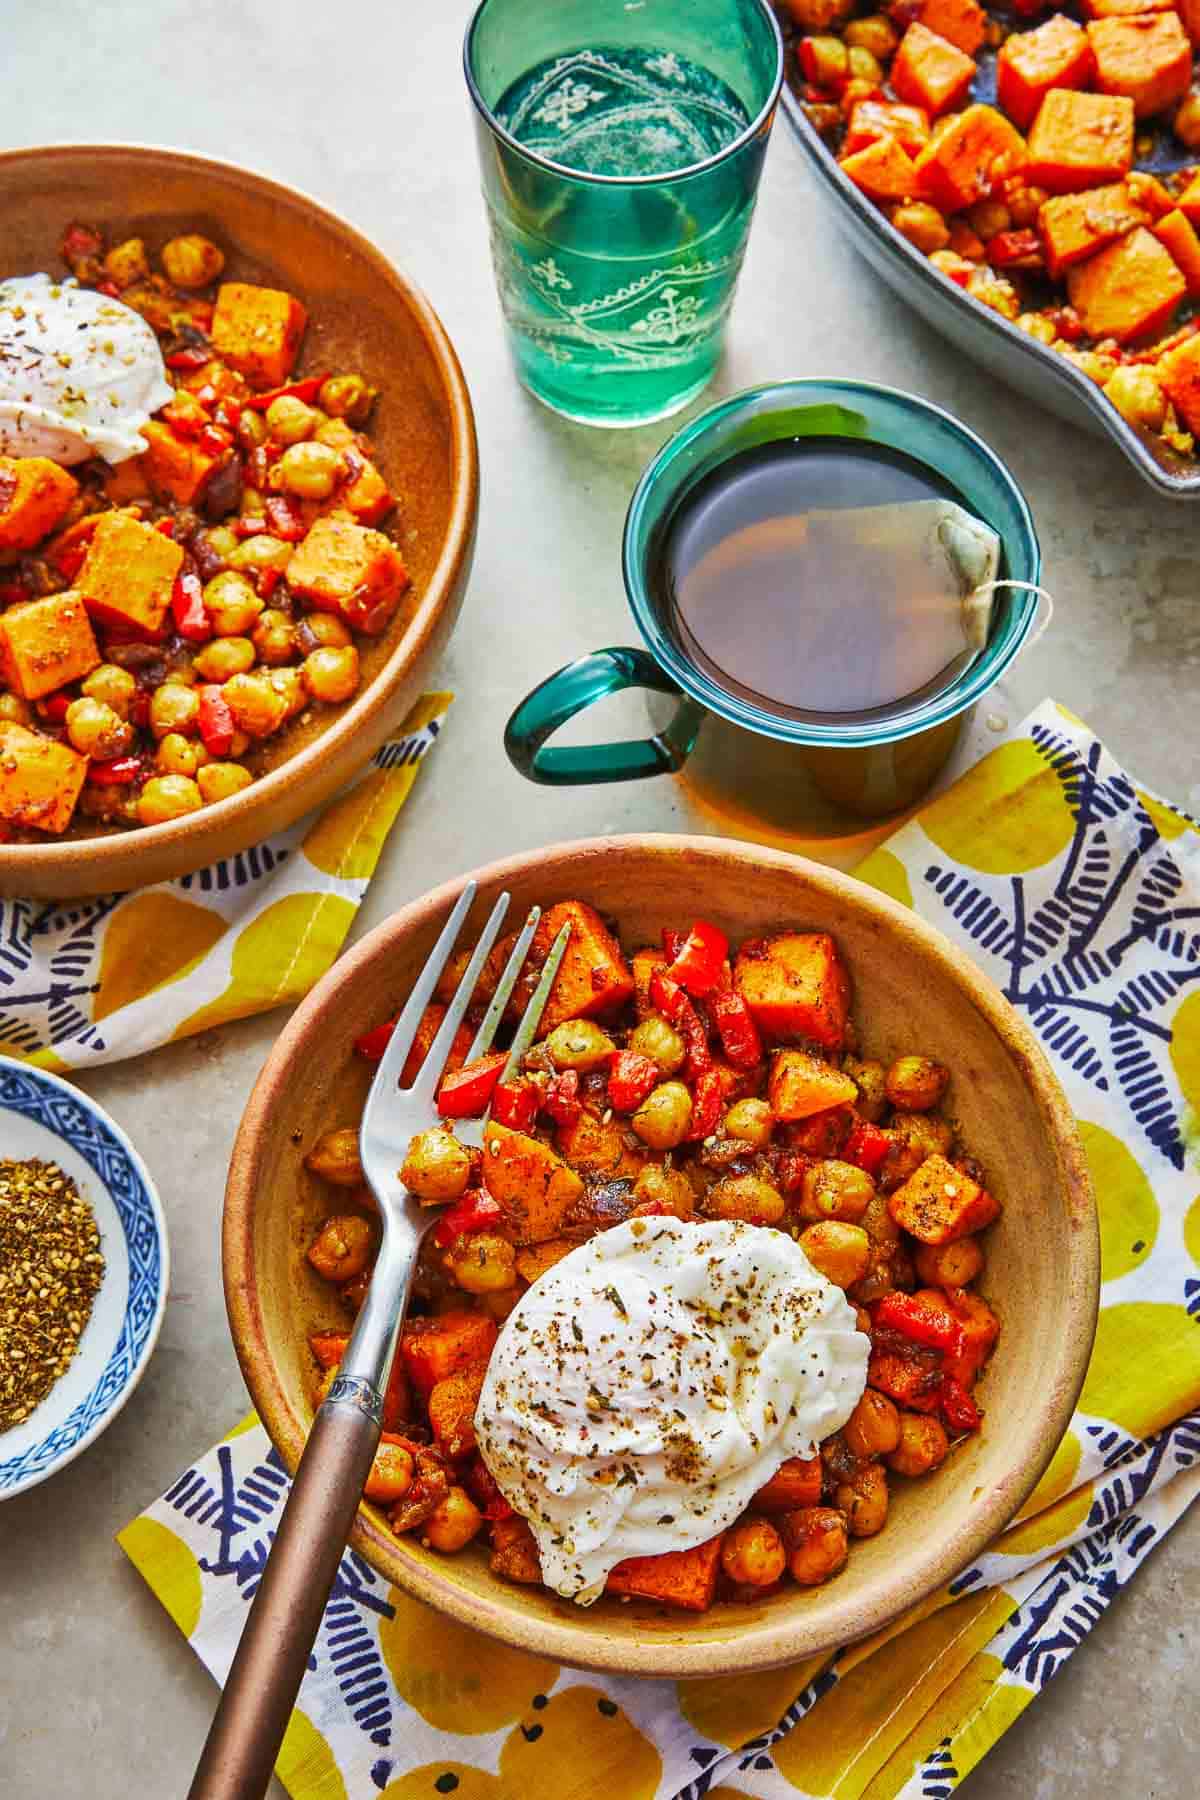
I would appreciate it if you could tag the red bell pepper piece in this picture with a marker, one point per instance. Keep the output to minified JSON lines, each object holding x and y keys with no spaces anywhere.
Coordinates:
{"x":256,"y":470}
{"x":213,"y":441}
{"x":672,"y":943}
{"x":561,"y":1100}
{"x":12,"y":593}
{"x":190,"y":359}
{"x":474,"y":1212}
{"x":866,"y":1146}
{"x":631,"y":1077}
{"x":284,"y":519}
{"x":307,"y":390}
{"x":515,"y":1104}
{"x":109,"y":289}
{"x":481,"y":1484}
{"x":228,"y":412}
{"x":80,"y":241}
{"x":372,"y":1044}
{"x":465,"y":1094}
{"x":707,"y":1095}
{"x":958,"y":1409}
{"x":1011,"y":249}
{"x":735,"y":1025}
{"x":268,"y":580}
{"x":699,"y":963}
{"x":120,"y":771}
{"x":915,"y":1319}
{"x":215,"y":721}
{"x":192,"y":619}
{"x":54,"y":706}
{"x":668,"y":998}
{"x":166,"y":526}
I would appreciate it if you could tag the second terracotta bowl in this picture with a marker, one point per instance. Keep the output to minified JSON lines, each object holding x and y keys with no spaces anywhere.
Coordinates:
{"x":912,"y":991}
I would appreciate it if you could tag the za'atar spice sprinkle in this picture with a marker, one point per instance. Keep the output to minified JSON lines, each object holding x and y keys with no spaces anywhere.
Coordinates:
{"x":51,"y":1267}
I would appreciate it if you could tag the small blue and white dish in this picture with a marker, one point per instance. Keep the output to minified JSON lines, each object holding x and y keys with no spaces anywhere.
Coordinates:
{"x":41,"y":1116}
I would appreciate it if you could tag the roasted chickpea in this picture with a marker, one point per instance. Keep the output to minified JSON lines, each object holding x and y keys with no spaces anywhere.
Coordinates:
{"x":219,"y":780}
{"x":96,"y":730}
{"x":579,"y":1044}
{"x":864,"y":64}
{"x":752,"y":1121}
{"x":332,"y":675}
{"x":949,"y":1265}
{"x":660,"y":1042}
{"x":391,"y":1474}
{"x":192,"y":261}
{"x":437,"y":1166}
{"x":752,"y":1553}
{"x":178,"y":755}
{"x":748,"y":1197}
{"x":912,"y":1137}
{"x":869,"y":1078}
{"x":15,"y":710}
{"x":498,"y":1305}
{"x":223,"y":657}
{"x":111,"y":686}
{"x":1186,"y":123}
{"x":1025,"y":203}
{"x":842,"y":1253}
{"x":343,"y":1247}
{"x":1037,"y":325}
{"x":262,"y":551}
{"x":875,"y":33}
{"x":915,"y":1083}
{"x":667,"y":1190}
{"x":231,"y":603}
{"x":310,"y":470}
{"x":835,"y":1190}
{"x":816,"y":1543}
{"x":665,"y":1116}
{"x":873,"y":1428}
{"x":922,"y":1445}
{"x":334,"y":1157}
{"x":988,"y":217}
{"x":923,"y":225}
{"x":127,"y":263}
{"x":273,"y":638}
{"x":167,"y":797}
{"x":864,"y":1500}
{"x":1137,"y":394}
{"x":327,"y":628}
{"x":482,"y":1262}
{"x":288,"y":683}
{"x":290,"y":420}
{"x":456,"y":1521}
{"x":257,"y":708}
{"x":251,"y":429}
{"x":347,"y":397}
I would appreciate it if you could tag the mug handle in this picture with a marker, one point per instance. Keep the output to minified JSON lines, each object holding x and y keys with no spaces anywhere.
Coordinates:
{"x":571,"y":690}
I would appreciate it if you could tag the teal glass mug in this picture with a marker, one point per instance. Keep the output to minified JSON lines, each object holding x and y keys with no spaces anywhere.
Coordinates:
{"x":867,"y":764}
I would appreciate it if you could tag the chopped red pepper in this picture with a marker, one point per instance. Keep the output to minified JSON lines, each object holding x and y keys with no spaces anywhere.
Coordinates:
{"x":215,"y":721}
{"x":668,"y":998}
{"x":192,"y":618}
{"x":80,"y":241}
{"x":631,"y":1077}
{"x":482,"y":1486}
{"x":561,"y":1099}
{"x":54,"y":706}
{"x":228,"y":412}
{"x":213,"y":441}
{"x":12,"y":593}
{"x":308,"y":389}
{"x":515,"y":1104}
{"x":284,"y":518}
{"x":256,"y":471}
{"x":166,"y":526}
{"x":465,"y":1093}
{"x":372,"y":1044}
{"x":1015,"y":249}
{"x":958,"y":1409}
{"x":474,"y":1212}
{"x":192,"y":358}
{"x":206,"y":394}
{"x":120,"y":771}
{"x":699,"y":963}
{"x":109,"y":289}
{"x":707,"y":1095}
{"x":672,"y":943}
{"x":735,"y":1024}
{"x":915,"y":1319}
{"x":267,"y":581}
{"x":866,"y":1146}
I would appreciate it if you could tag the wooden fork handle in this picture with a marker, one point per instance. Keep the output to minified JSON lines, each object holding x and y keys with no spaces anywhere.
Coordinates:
{"x":285,"y":1616}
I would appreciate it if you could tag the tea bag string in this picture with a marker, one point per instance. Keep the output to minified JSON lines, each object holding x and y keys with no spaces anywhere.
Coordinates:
{"x":1045,"y":608}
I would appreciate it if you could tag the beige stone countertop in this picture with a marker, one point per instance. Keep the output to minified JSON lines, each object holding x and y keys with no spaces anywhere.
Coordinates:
{"x":364,"y":107}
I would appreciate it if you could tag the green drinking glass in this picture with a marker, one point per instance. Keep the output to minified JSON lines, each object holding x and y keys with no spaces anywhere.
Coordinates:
{"x":621,"y":148}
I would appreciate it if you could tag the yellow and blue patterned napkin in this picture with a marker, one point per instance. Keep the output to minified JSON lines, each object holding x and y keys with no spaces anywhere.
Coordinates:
{"x":1080,"y":894}
{"x":93,"y":981}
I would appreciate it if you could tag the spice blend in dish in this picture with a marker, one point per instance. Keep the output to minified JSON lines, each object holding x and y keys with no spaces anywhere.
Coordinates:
{"x":705,"y":1293}
{"x":51,"y":1267}
{"x":206,"y":573}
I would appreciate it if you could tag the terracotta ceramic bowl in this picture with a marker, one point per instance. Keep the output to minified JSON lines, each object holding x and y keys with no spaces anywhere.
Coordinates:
{"x":363,"y":315}
{"x":912,"y":990}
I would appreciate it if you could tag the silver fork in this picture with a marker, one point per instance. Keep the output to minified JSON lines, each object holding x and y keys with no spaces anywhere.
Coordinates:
{"x":269,"y":1664}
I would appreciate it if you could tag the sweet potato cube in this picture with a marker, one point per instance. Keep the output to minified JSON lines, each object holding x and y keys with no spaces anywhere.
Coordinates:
{"x":1075,"y":226}
{"x":911,"y":1381}
{"x":1080,"y":140}
{"x":128,"y":573}
{"x":46,"y":643}
{"x":1189,"y":200}
{"x":799,"y":1086}
{"x":452,"y":1404}
{"x":1147,"y":58}
{"x":643,"y":964}
{"x":598,"y":1149}
{"x":257,"y":331}
{"x":366,"y":494}
{"x":329,"y":1347}
{"x":1147,"y":190}
{"x":34,"y":495}
{"x":939,"y":1203}
{"x":1179,"y":372}
{"x":930,"y":71}
{"x":530,"y":1181}
{"x":514,"y":1552}
{"x":961,"y":165}
{"x":884,"y":170}
{"x":796,"y":985}
{"x":1128,"y":290}
{"x":40,"y":780}
{"x":1054,"y":55}
{"x":683,"y":1578}
{"x":1178,"y":235}
{"x":593,"y":979}
{"x":434,"y":1349}
{"x":796,"y":1482}
{"x":343,"y":567}
{"x":175,"y":469}
{"x":875,"y":119}
{"x":127,"y":482}
{"x":533,"y":1262}
{"x":962,"y":23}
